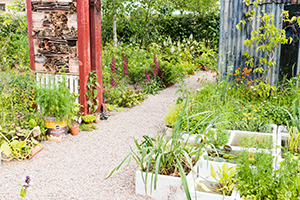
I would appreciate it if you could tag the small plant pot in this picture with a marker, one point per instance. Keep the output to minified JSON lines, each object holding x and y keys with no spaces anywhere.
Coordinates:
{"x":35,"y":150}
{"x":97,"y":121}
{"x":74,"y":129}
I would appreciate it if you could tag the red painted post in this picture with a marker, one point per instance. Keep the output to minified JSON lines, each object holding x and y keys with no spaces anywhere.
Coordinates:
{"x":96,"y":45}
{"x":30,"y":38}
{"x":84,"y":49}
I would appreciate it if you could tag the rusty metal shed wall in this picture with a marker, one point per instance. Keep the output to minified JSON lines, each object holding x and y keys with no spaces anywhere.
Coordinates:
{"x":231,"y":44}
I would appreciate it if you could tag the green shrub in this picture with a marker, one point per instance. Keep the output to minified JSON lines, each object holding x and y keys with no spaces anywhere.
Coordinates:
{"x":14,"y":38}
{"x":257,"y":179}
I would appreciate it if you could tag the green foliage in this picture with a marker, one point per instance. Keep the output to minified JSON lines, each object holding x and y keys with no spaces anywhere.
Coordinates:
{"x":111,"y":107}
{"x":55,"y":100}
{"x":221,"y":155}
{"x":152,"y":87}
{"x":17,"y":114}
{"x":166,"y":156}
{"x":87,"y":127}
{"x":170,"y":75}
{"x":204,"y":28}
{"x":238,"y":106}
{"x":217,"y":137}
{"x":294,"y":140}
{"x":17,"y":148}
{"x":225,"y":180}
{"x":89,"y":118}
{"x":259,"y":141}
{"x":251,"y":120}
{"x":14,"y":38}
{"x":266,"y":38}
{"x":173,"y":114}
{"x":92,"y":92}
{"x":126,"y":97}
{"x":257,"y":179}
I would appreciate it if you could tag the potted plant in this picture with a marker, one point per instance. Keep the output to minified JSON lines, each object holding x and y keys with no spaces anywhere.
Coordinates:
{"x":56,"y":103}
{"x":75,"y":117}
{"x":89,"y":119}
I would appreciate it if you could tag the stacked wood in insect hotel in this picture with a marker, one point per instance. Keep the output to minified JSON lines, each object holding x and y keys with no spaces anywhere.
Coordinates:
{"x":55,"y":36}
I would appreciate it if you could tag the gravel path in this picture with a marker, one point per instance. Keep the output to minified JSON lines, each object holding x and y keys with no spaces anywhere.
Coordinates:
{"x":76,"y":167}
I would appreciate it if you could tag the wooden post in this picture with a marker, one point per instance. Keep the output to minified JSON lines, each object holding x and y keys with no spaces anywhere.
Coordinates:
{"x":30,"y":38}
{"x":96,"y":45}
{"x":84,"y":49}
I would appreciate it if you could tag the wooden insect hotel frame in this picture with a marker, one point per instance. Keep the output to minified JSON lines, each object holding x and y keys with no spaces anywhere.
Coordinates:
{"x":65,"y":38}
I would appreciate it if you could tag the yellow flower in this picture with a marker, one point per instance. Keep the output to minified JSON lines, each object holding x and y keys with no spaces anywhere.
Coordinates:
{"x":249,"y":118}
{"x":249,"y":123}
{"x":254,"y":118}
{"x":249,"y":114}
{"x":254,"y":110}
{"x":245,"y":114}
{"x":252,"y":106}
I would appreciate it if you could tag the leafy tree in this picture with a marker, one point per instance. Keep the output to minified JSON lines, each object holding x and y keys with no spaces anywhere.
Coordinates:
{"x":112,"y":9}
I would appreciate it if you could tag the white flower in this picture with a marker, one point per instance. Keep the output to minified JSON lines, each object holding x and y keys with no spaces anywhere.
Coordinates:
{"x":172,"y":49}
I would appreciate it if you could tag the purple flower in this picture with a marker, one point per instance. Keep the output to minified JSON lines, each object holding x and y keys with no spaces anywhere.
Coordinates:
{"x":125,"y":64}
{"x":113,"y":82}
{"x":247,"y":74}
{"x":26,"y":185}
{"x":147,"y":77}
{"x":27,"y":182}
{"x":113,"y":65}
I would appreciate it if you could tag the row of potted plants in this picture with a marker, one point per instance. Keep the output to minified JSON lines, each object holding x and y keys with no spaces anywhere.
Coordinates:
{"x":57,"y":105}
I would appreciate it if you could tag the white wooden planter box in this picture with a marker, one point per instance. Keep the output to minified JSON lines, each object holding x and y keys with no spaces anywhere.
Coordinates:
{"x":283,"y":136}
{"x":167,"y":187}
{"x":236,"y":136}
{"x":202,"y":169}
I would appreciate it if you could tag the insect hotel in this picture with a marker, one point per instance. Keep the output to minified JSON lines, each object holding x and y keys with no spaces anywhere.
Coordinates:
{"x":65,"y":41}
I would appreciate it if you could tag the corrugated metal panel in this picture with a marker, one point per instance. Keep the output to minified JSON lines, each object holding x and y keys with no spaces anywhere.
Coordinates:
{"x":232,"y":48}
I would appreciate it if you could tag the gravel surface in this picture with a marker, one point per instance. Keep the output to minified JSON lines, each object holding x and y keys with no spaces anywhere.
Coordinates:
{"x":76,"y":167}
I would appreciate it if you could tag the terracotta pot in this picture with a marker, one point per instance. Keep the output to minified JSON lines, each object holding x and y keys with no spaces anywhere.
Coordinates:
{"x":74,"y":129}
{"x":97,"y":121}
{"x":35,"y":150}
